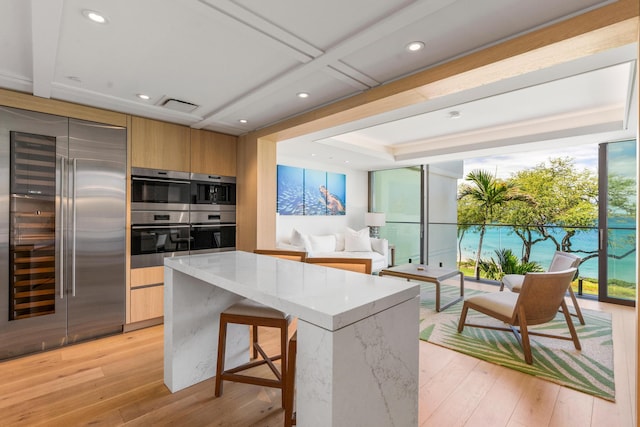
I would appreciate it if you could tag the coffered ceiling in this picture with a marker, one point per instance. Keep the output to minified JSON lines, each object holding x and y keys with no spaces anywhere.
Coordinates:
{"x":211,"y":64}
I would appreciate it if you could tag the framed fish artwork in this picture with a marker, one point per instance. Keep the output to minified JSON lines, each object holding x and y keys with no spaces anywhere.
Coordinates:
{"x":310,"y":192}
{"x":290,"y":190}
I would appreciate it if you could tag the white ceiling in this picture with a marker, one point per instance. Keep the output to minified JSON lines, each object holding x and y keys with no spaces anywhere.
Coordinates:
{"x":247,"y":59}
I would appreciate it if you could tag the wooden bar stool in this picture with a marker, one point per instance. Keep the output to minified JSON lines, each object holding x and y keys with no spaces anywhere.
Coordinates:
{"x":247,"y":312}
{"x":253,"y":314}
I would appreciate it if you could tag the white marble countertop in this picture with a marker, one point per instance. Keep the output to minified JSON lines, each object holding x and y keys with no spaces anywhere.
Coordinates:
{"x":327,"y":297}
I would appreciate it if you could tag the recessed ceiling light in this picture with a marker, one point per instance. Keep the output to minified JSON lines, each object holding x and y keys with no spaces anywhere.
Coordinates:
{"x":243,"y":121}
{"x":143,"y":96}
{"x":414,"y":46}
{"x":303,"y":95}
{"x":347,"y":161}
{"x":454,"y":114}
{"x":95,"y":16}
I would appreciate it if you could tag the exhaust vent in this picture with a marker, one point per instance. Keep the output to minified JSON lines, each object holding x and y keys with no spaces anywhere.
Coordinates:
{"x":178,"y":105}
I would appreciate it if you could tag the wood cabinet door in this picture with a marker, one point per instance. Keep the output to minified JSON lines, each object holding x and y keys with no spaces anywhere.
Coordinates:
{"x":160,"y":145}
{"x":147,"y":303}
{"x":213,"y":153}
{"x":147,"y":293}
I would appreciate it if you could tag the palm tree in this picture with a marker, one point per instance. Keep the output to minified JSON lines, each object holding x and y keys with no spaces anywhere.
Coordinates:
{"x":488,"y":192}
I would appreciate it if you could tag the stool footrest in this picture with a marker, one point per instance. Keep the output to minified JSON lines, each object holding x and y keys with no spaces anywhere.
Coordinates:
{"x":268,"y":361}
{"x":265,"y":382}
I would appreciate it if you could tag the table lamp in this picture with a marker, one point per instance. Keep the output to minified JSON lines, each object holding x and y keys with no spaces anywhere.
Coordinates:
{"x":374,"y":220}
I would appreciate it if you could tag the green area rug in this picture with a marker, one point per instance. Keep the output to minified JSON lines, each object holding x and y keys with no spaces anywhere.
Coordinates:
{"x":589,"y":371}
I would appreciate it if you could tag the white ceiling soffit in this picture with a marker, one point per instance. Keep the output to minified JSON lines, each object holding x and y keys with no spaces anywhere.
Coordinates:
{"x":589,"y":98}
{"x":247,"y":59}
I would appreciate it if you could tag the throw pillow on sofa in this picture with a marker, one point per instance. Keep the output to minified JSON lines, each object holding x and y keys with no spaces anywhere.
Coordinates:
{"x":322,"y":243}
{"x":298,"y":239}
{"x":357,"y":241}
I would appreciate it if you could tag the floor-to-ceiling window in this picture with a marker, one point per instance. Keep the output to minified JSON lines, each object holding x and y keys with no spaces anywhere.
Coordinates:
{"x":398,"y":194}
{"x":617,"y":222}
{"x":602,"y":230}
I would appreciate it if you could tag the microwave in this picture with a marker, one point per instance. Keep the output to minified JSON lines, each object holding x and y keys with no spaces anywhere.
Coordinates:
{"x":212,"y":190}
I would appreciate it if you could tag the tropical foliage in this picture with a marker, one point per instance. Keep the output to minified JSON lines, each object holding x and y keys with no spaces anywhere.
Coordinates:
{"x":506,"y":262}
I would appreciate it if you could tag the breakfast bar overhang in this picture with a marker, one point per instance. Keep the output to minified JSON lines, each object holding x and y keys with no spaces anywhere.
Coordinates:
{"x":357,"y":361}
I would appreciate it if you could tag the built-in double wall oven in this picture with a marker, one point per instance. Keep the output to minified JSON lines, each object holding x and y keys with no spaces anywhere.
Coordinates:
{"x":159,"y":215}
{"x":173,"y":213}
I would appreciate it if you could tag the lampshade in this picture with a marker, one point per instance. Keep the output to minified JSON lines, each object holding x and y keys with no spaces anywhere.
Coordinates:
{"x":374,"y":219}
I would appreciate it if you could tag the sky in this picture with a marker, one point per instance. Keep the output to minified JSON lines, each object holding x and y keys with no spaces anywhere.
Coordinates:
{"x":584,"y":157}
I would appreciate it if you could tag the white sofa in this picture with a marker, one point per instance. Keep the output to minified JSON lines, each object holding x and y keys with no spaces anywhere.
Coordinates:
{"x":349,"y":244}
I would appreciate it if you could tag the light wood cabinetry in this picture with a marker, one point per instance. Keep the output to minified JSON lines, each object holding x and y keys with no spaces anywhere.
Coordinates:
{"x":160,"y":145}
{"x":213,"y":152}
{"x":147,"y":303}
{"x":147,"y":293}
{"x":147,"y":276}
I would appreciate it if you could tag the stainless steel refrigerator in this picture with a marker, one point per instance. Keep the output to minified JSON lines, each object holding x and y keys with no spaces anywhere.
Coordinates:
{"x":62,"y":230}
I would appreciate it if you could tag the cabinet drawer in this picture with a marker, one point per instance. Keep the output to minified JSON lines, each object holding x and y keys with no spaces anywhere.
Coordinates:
{"x":147,"y":276}
{"x":147,"y":303}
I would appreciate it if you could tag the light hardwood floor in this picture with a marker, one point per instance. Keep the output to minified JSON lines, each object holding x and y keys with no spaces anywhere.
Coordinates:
{"x":119,"y":381}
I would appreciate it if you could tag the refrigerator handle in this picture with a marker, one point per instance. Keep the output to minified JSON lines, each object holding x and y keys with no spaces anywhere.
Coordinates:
{"x":73,"y":243}
{"x":62,"y":227}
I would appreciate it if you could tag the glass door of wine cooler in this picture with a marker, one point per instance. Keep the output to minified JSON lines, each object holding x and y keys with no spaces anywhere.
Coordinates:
{"x":32,"y":229}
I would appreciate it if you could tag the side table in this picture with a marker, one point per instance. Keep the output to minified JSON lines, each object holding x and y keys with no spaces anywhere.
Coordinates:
{"x":427,"y":274}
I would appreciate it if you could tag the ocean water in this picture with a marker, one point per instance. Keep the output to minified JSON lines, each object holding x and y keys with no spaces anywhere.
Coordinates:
{"x":584,"y":243}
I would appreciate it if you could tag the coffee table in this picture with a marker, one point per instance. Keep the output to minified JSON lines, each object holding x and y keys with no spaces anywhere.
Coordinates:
{"x":428,"y":274}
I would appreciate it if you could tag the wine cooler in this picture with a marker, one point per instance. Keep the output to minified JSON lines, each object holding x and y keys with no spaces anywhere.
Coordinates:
{"x":32,"y":229}
{"x":62,"y":230}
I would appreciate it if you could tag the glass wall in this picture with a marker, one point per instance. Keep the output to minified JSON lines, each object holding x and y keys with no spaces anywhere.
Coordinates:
{"x":398,"y":194}
{"x":618,"y":222}
{"x":605,"y":240}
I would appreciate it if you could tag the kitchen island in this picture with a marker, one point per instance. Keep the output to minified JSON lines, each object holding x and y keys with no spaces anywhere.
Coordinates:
{"x":357,"y":361}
